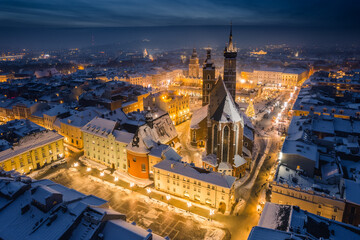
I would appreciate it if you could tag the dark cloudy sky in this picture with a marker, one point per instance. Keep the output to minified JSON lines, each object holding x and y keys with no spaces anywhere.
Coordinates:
{"x":120,"y":13}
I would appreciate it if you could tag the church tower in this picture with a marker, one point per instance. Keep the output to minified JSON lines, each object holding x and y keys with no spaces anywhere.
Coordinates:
{"x":208,"y":78}
{"x":194,"y":65}
{"x":230,"y":54}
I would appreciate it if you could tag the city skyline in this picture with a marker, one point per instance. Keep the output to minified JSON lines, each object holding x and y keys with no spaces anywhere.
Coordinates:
{"x":221,"y":120}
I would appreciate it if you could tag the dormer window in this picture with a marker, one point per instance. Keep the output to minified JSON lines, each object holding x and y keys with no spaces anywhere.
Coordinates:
{"x":325,"y":109}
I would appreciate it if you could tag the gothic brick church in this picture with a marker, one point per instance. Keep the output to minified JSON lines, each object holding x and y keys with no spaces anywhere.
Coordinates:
{"x":219,"y":126}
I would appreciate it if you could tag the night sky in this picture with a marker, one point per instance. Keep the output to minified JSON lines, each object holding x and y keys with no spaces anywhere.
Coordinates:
{"x":121,"y":13}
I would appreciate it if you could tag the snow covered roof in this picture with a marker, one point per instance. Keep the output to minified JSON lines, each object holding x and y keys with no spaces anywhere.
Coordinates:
{"x":56,"y":110}
{"x":239,"y":161}
{"x":160,"y":130}
{"x":323,"y":125}
{"x":260,"y":233}
{"x":198,"y":116}
{"x":123,"y":136}
{"x":300,"y":148}
{"x":77,"y":217}
{"x":41,"y":193}
{"x":294,"y":179}
{"x":100,"y":127}
{"x":115,"y":228}
{"x":210,"y":159}
{"x":29,"y":142}
{"x":351,"y":191}
{"x":292,"y":219}
{"x":222,"y":106}
{"x":200,"y":174}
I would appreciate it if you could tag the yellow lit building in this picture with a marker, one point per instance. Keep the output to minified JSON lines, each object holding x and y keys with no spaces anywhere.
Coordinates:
{"x":5,"y":76}
{"x":70,"y":128}
{"x":133,"y":106}
{"x":168,"y":101}
{"x":33,"y":151}
{"x":288,"y":78}
{"x":320,"y":204}
{"x":105,"y":144}
{"x":196,"y":184}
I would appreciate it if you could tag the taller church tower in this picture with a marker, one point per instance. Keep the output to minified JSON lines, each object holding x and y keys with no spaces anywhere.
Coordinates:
{"x":208,"y":78}
{"x":230,"y":54}
{"x":194,"y":65}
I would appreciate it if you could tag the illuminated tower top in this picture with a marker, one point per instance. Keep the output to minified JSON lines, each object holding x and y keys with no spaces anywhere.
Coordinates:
{"x":230,"y":48}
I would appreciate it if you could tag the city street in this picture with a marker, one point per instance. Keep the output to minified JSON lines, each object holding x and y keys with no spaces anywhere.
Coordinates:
{"x":172,"y":218}
{"x":160,"y":217}
{"x":189,"y":153}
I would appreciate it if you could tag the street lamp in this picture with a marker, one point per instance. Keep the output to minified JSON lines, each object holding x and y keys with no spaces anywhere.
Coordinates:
{"x":212,"y":212}
{"x":76,"y":164}
{"x":102,"y":174}
{"x":259,"y":208}
{"x":88,"y":169}
{"x":168,"y":198}
{"x":148,"y":191}
{"x":189,"y":205}
{"x":116,"y":179}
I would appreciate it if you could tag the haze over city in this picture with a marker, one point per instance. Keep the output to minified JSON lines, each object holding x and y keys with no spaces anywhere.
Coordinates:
{"x":153,"y":119}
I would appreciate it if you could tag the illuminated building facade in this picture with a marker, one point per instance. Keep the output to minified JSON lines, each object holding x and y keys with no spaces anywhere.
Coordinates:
{"x":168,"y":101}
{"x":152,"y":142}
{"x":33,"y":152}
{"x":196,"y":184}
{"x":106,"y":144}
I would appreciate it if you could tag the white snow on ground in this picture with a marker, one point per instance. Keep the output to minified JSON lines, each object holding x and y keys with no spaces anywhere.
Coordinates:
{"x":213,"y":234}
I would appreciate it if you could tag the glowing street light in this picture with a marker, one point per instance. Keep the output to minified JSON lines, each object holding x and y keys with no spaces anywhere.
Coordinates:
{"x":259,"y":208}
{"x":212,"y":212}
{"x":116,"y":179}
{"x":189,"y":205}
{"x":148,"y":190}
{"x":168,"y":197}
{"x":88,"y":169}
{"x":132,"y":184}
{"x":102,"y":174}
{"x":76,"y":164}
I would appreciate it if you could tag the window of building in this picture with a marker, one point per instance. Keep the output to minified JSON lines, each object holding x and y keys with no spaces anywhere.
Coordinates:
{"x":333,"y":217}
{"x":318,"y":213}
{"x":194,"y":135}
{"x":143,"y":167}
{"x":225,"y":151}
{"x":208,"y":193}
{"x":215,"y":130}
{"x":134,"y":159}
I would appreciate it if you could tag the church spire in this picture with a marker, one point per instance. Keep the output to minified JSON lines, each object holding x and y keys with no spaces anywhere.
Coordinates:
{"x":230,"y":47}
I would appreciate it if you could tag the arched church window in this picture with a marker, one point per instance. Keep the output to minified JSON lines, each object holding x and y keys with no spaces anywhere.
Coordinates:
{"x":215,"y":139}
{"x":236,"y":138}
{"x":226,"y":134}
